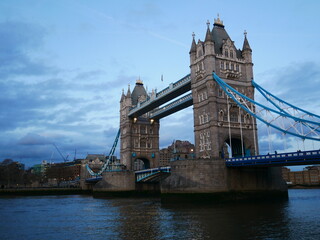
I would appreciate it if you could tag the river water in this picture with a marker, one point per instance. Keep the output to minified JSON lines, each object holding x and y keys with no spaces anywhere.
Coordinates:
{"x":85,"y":217}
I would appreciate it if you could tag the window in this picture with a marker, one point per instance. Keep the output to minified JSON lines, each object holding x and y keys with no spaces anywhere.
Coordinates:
{"x":135,"y":130}
{"x":232,"y":66}
{"x":233,"y":117}
{"x":227,"y":65}
{"x":237,"y":67}
{"x":231,"y":53}
{"x":226,"y":53}
{"x":206,"y":117}
{"x":136,"y":143}
{"x":143,"y":143}
{"x":201,"y":142}
{"x":222,"y":65}
{"x":142,"y":129}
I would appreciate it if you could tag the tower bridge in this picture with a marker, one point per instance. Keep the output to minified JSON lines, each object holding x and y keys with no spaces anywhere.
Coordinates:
{"x":221,"y":89}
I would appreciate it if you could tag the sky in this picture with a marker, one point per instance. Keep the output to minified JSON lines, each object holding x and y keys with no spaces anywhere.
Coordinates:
{"x":63,"y":65}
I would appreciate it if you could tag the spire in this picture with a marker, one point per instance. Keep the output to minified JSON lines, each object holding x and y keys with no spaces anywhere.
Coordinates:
{"x":193,"y":45}
{"x":246,"y":45}
{"x":208,"y":34}
{"x":139,"y":81}
{"x":122,"y":95}
{"x":128,"y":92}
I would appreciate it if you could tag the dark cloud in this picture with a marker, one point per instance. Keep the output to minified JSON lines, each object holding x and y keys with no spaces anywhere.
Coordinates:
{"x":41,"y":105}
{"x":34,"y":139}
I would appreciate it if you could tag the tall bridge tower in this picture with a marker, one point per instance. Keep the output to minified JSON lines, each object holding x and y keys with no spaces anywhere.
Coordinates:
{"x":217,"y":121}
{"x":139,"y":137}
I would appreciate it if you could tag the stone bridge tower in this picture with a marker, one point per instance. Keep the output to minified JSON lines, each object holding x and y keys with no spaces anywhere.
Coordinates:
{"x":218,"y":122}
{"x":139,"y":137}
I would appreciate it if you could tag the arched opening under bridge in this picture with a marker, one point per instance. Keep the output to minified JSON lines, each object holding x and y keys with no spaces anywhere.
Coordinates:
{"x":236,"y":148}
{"x":140,"y":164}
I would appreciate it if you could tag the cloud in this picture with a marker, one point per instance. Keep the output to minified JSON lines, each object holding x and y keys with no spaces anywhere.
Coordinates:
{"x":296,"y":83}
{"x":34,"y":139}
{"x":17,"y":41}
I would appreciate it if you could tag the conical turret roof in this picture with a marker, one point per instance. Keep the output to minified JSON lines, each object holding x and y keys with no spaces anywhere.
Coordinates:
{"x":137,"y":92}
{"x":246,"y":45}
{"x":193,"y":44}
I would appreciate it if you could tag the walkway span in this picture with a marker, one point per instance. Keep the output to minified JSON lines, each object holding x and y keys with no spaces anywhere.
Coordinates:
{"x":281,"y":159}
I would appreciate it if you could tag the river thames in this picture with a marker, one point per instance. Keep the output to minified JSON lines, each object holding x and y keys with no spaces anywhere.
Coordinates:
{"x":85,"y":217}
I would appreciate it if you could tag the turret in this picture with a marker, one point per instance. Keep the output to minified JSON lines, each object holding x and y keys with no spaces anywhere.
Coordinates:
{"x":246,"y":49}
{"x":208,"y":42}
{"x":247,"y":55}
{"x":122,"y":96}
{"x":193,"y":50}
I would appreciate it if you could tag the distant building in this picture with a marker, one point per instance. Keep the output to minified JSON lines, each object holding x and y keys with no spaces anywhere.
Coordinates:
{"x":308,"y":176}
{"x":178,"y":150}
{"x":63,"y":172}
{"x":165,"y":156}
{"x":40,"y":169}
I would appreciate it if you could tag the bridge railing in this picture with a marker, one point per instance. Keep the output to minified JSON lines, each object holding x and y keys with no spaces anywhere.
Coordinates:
{"x":170,"y":105}
{"x":172,"y":86}
{"x":296,"y":158}
{"x":163,"y":92}
{"x":142,"y":174}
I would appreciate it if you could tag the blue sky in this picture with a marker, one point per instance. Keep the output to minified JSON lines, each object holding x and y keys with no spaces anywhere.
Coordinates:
{"x":64,"y":64}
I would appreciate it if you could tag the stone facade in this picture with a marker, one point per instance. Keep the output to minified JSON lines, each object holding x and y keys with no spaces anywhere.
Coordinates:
{"x":116,"y":182}
{"x":219,"y":122}
{"x":139,"y":137}
{"x":213,"y":111}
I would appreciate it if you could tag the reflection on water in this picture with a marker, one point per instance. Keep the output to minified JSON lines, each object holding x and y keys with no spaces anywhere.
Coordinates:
{"x":84,"y":217}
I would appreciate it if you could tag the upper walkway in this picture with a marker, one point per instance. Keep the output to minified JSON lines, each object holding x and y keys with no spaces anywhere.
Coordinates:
{"x":172,"y":91}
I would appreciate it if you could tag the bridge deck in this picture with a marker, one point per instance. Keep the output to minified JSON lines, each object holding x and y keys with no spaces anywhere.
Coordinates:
{"x":152,"y":174}
{"x":281,"y":159}
{"x":179,"y":104}
{"x":174,"y":90}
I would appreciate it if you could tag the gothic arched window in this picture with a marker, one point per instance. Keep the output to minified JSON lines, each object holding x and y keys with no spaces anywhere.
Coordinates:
{"x":226,"y":53}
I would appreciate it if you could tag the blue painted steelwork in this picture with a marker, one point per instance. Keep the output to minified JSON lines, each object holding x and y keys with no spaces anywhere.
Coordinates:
{"x":242,"y":101}
{"x":106,"y":165}
{"x":278,"y":159}
{"x":287,"y":106}
{"x":93,"y":179}
{"x":152,"y":174}
{"x":264,"y":92}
